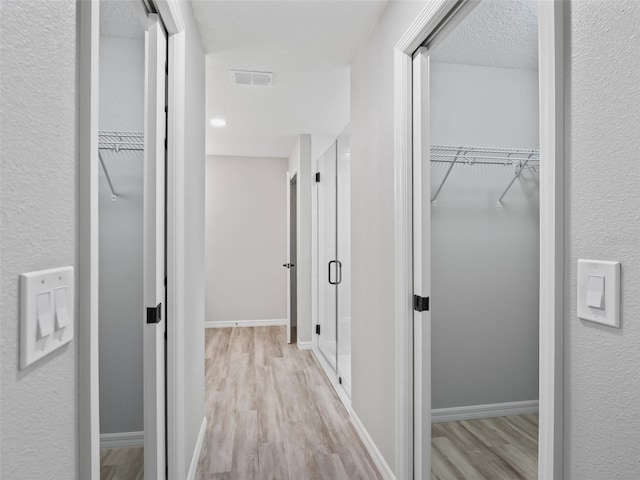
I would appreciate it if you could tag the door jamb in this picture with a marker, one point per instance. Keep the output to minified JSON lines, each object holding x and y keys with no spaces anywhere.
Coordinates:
{"x":551,"y":75}
{"x":88,"y":372}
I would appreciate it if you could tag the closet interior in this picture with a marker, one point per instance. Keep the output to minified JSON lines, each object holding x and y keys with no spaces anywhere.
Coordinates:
{"x":332,"y":261}
{"x":484,"y":117}
{"x":121,"y":226}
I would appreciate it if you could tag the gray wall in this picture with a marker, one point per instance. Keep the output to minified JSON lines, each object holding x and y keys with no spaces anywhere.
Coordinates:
{"x":372,"y":227}
{"x":38,"y":409}
{"x":602,"y":369}
{"x":246,"y":227}
{"x":121,"y":242}
{"x":193,"y":215}
{"x":300,"y":164}
{"x":485,"y":272}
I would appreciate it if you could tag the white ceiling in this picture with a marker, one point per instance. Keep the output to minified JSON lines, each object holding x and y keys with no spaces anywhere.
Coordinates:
{"x":308,"y":45}
{"x":497,"y":33}
{"x":122,"y":18}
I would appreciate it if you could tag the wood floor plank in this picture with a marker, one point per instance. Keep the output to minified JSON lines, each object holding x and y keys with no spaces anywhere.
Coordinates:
{"x":502,"y":448}
{"x":273,"y":414}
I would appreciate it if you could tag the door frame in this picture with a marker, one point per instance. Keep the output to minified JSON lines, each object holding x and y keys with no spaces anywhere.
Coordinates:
{"x":429,"y":22}
{"x":88,"y":271}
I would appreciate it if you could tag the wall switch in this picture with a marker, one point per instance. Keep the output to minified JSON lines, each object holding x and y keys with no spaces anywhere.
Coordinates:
{"x":46,"y":312}
{"x":599,"y":292}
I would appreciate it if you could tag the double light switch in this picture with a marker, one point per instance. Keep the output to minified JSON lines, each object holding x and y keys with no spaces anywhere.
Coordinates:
{"x":46,"y":312}
{"x":599,"y":291}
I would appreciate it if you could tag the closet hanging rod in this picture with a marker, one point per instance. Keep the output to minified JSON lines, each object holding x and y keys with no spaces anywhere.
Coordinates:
{"x":120,"y":140}
{"x":518,"y":158}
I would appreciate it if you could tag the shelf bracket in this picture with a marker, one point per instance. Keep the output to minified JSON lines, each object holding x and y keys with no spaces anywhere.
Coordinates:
{"x":515,"y":177}
{"x":446,"y":175}
{"x":106,"y":174}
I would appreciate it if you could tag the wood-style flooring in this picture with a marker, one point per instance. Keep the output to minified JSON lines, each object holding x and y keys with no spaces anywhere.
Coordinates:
{"x":272,"y":413}
{"x":122,"y":464}
{"x":503,"y":448}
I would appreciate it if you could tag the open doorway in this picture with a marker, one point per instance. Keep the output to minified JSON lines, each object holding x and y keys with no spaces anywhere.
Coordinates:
{"x":465,"y":103}
{"x":131,"y":221}
{"x":484,"y":227}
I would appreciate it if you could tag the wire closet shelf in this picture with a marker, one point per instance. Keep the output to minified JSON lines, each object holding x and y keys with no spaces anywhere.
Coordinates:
{"x":519,"y":159}
{"x":117,"y":141}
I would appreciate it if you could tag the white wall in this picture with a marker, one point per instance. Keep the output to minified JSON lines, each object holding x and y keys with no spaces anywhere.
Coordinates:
{"x":485,"y":272}
{"x":38,"y":409}
{"x":602,"y":365}
{"x":193,"y":215}
{"x":372,"y":227}
{"x":300,"y":164}
{"x":245,"y":238}
{"x":121,"y":242}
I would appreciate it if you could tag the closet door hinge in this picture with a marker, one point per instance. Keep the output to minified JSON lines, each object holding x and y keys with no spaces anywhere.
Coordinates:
{"x":420,"y":304}
{"x":318,"y":329}
{"x":317,"y":177}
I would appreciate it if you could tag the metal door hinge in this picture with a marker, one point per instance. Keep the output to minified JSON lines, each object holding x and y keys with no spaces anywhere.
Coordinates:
{"x":154,"y":314}
{"x":317,"y":177}
{"x":318,"y":329}
{"x":420,"y":304}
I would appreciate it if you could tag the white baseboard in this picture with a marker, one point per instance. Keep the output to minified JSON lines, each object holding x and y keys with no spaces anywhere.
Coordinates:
{"x":198,"y":449}
{"x":456,"y":414}
{"x":376,"y":456}
{"x":246,"y":323}
{"x":122,"y":440}
{"x":304,"y":345}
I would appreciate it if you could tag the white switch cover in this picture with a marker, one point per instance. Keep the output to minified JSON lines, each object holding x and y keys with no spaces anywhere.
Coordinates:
{"x":599,"y":292}
{"x":46,"y":312}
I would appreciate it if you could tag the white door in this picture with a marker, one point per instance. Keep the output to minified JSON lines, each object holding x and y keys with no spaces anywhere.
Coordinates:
{"x":421,"y":266}
{"x":292,"y":287}
{"x":154,"y":250}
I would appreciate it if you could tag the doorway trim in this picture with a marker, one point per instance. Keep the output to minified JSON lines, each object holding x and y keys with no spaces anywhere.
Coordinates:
{"x":551,"y":350}
{"x":88,"y":261}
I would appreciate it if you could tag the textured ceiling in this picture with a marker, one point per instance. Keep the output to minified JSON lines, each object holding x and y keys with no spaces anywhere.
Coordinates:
{"x":497,"y":33}
{"x":308,"y":45}
{"x":122,"y":18}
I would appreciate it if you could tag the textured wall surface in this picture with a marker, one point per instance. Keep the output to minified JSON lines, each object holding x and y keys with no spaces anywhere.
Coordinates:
{"x":38,"y":410}
{"x":372,"y":227}
{"x":246,"y":238}
{"x":602,"y":384}
{"x":193,"y":319}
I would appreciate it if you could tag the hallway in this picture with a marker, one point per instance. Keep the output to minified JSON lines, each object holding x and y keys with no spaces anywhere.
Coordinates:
{"x":272,"y":413}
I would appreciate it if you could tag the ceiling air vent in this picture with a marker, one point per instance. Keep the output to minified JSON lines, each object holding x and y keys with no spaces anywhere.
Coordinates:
{"x":245,"y":77}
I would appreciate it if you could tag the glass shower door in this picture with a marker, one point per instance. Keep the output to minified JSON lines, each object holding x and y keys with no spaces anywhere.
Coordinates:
{"x":328,"y":267}
{"x":343,"y":207}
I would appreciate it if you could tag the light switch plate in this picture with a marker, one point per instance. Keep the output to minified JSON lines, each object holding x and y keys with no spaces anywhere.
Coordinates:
{"x":46,"y":312}
{"x":590,"y":273}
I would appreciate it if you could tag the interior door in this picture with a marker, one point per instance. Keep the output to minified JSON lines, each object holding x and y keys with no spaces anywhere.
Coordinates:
{"x":421,"y":266}
{"x":328,"y":265}
{"x":154,"y":249}
{"x":292,"y":281}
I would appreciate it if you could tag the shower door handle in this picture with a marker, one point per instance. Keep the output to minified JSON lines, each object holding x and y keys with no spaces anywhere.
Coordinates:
{"x":339,"y":263}
{"x":329,"y":272}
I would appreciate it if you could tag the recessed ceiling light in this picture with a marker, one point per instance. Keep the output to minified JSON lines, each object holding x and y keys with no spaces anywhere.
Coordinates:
{"x":218,"y":122}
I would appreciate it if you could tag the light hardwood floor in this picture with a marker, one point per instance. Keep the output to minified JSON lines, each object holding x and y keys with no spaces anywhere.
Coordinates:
{"x":122,"y":464}
{"x":503,"y":448}
{"x":272,"y":413}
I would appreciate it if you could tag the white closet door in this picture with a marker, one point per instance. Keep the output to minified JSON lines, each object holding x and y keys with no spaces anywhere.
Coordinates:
{"x":421,"y":266}
{"x":154,"y":250}
{"x":328,"y":264}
